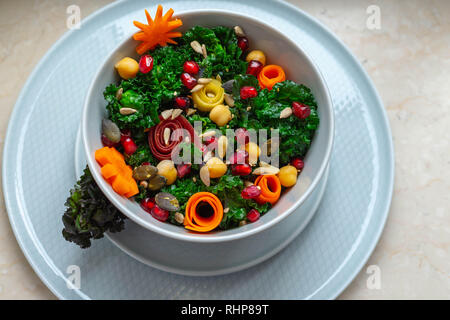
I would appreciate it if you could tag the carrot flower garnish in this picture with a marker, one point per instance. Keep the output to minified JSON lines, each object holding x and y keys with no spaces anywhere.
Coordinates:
{"x":158,"y":31}
{"x":270,"y":188}
{"x":270,"y":75}
{"x":204,"y":212}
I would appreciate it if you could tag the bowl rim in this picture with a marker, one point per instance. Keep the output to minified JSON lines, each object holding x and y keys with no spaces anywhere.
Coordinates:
{"x":220,"y":236}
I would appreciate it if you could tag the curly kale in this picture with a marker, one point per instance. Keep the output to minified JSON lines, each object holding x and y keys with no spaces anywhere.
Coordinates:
{"x":89,"y":214}
{"x":295,"y":134}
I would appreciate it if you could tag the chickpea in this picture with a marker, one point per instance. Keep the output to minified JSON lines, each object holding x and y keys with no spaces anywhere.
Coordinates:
{"x":167,"y":169}
{"x":288,"y":176}
{"x":257,"y":55}
{"x":253,"y":152}
{"x":220,"y":115}
{"x":216,"y":167}
{"x":127,"y":68}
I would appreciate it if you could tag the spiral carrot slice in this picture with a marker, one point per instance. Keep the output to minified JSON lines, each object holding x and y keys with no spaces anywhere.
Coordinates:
{"x":270,"y":75}
{"x":194,"y":221}
{"x":270,"y":188}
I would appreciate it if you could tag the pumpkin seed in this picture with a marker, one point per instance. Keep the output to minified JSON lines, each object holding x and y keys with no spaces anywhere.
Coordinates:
{"x":167,"y":201}
{"x":228,"y":86}
{"x":144,"y":172}
{"x":204,"y":176}
{"x":157,"y":182}
{"x":111,"y":130}
{"x":219,"y":78}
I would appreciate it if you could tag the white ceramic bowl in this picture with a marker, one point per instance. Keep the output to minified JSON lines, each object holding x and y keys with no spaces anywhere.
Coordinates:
{"x":279,"y":50}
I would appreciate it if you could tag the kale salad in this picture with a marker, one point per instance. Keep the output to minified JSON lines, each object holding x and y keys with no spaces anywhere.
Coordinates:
{"x":202,"y":131}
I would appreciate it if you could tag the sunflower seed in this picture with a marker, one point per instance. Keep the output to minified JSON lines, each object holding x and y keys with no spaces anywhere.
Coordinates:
{"x":222,"y":145}
{"x":197,"y":88}
{"x":266,"y":170}
{"x":176,"y":113}
{"x":229,"y":100}
{"x":264,"y":164}
{"x":207,"y":134}
{"x":204,"y":80}
{"x":219,"y":78}
{"x":239,"y":32}
{"x":204,"y":176}
{"x":179,"y":217}
{"x":166,"y":135}
{"x":119,"y":94}
{"x":226,"y":210}
{"x":248,"y":183}
{"x":249,"y":108}
{"x":166,"y":114}
{"x":190,"y":111}
{"x":285,"y":113}
{"x":197,"y":47}
{"x":204,"y":51}
{"x":207,"y":156}
{"x":242,"y":223}
{"x":144,"y":184}
{"x":127,"y":111}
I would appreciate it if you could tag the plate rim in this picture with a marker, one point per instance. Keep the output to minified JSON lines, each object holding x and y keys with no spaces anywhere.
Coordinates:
{"x":370,"y":88}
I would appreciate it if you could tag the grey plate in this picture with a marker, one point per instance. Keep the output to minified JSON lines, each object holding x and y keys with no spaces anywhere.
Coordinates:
{"x":38,"y":171}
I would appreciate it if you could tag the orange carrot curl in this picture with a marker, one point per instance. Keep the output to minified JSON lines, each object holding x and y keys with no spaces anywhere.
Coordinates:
{"x":270,"y":75}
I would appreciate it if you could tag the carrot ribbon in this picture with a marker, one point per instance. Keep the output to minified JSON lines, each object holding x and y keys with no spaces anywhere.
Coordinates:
{"x":270,"y":75}
{"x":270,"y":188}
{"x":194,"y":221}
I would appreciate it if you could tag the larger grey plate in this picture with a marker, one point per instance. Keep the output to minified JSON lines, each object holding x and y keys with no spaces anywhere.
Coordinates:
{"x":38,"y":171}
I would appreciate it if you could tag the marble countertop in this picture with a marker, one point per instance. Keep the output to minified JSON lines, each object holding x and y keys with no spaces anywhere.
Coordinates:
{"x":408,"y":59}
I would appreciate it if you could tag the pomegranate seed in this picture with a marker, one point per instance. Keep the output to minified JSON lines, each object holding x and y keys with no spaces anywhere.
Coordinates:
{"x":145,"y":163}
{"x":241,"y":169}
{"x":125,"y":133}
{"x":253,"y":215}
{"x":298,"y":163}
{"x":147,"y":204}
{"x":188,"y":80}
{"x":300,"y":110}
{"x":146,"y":63}
{"x":159,"y":214}
{"x":254,"y":67}
{"x":183,"y":169}
{"x":208,"y":140}
{"x":242,"y":136}
{"x":239,"y":157}
{"x":251,"y":192}
{"x":106,"y":142}
{"x":182,"y":102}
{"x":129,"y":146}
{"x":242,"y":43}
{"x":248,"y":92}
{"x":191,"y":67}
